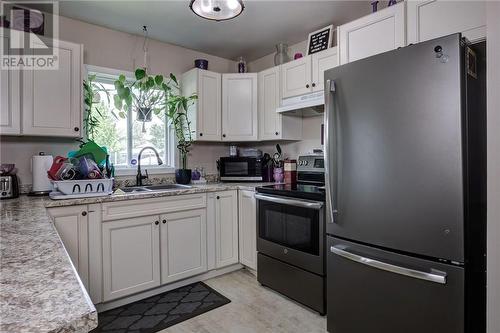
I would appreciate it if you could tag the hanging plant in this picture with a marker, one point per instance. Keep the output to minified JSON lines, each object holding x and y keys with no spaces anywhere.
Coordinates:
{"x":145,"y":95}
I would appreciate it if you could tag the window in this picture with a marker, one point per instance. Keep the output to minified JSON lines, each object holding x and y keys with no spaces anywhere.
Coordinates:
{"x":125,"y":137}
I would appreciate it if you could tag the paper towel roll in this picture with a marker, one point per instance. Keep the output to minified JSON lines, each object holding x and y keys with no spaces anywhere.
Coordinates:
{"x":40,"y":164}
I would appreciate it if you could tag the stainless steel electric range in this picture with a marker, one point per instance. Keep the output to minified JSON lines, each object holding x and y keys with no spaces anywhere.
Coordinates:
{"x":291,"y":235}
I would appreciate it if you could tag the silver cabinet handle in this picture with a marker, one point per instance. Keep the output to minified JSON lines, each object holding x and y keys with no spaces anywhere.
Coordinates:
{"x":432,"y":277}
{"x":286,"y":201}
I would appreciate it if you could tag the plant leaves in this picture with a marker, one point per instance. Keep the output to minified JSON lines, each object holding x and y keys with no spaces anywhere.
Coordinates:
{"x":122,"y":78}
{"x":173,"y":78}
{"x":159,"y":79}
{"x":118,"y":102}
{"x":140,"y":73}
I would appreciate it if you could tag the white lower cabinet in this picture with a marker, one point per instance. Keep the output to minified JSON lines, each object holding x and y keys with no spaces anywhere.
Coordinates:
{"x":247,"y":211}
{"x":183,"y":245}
{"x":72,"y":226}
{"x":226,"y":228}
{"x":131,"y":256}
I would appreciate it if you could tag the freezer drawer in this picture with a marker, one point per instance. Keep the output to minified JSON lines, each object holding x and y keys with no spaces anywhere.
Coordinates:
{"x":370,"y":290}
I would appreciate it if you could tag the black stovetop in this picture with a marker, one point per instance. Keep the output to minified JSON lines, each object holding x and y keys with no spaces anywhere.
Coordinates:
{"x":301,"y":191}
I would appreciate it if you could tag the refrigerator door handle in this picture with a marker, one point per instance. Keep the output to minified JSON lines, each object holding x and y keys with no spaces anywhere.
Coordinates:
{"x":437,"y":277}
{"x":330,"y":134}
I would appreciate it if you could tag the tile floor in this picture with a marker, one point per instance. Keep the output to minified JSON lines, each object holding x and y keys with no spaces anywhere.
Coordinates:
{"x":252,"y":309}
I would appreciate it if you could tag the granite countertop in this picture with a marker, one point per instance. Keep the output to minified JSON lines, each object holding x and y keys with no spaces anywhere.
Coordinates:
{"x":209,"y":187}
{"x":40,"y":290}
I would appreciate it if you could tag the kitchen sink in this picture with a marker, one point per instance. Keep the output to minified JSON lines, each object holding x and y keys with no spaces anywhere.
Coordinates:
{"x":166,"y":187}
{"x":134,"y":189}
{"x":154,"y":188}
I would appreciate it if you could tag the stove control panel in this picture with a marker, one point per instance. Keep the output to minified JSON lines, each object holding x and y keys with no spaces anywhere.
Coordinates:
{"x":311,"y":163}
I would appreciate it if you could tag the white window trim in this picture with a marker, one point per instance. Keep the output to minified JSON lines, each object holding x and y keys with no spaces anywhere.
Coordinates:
{"x":172,"y":156}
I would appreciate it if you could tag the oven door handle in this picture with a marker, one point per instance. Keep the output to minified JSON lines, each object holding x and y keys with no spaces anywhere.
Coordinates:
{"x":286,"y":201}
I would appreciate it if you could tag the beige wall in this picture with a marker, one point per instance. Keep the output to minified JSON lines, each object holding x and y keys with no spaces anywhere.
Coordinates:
{"x":493,"y":56}
{"x":110,"y":48}
{"x":268,"y":61}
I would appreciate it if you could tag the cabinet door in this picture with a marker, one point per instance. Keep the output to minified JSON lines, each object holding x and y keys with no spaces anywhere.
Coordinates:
{"x":209,"y":106}
{"x":296,"y":77}
{"x":52,"y":99}
{"x":71,"y":223}
{"x":10,"y":108}
{"x":247,"y":211}
{"x":269,"y":100}
{"x":239,"y":107}
{"x":226,"y":228}
{"x":433,"y":19}
{"x":183,"y":240}
{"x":321,"y":62}
{"x":131,"y":256}
{"x":372,"y":34}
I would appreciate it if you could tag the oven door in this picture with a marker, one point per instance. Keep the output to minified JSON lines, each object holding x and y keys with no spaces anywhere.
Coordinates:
{"x":291,"y":230}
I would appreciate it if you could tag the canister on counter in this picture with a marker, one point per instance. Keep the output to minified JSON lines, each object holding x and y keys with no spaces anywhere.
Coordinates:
{"x":290,"y":171}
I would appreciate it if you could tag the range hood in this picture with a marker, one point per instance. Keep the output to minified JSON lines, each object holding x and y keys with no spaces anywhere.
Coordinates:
{"x":308,"y":105}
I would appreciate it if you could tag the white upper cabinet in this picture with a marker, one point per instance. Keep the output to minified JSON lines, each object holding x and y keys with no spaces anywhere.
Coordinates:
{"x":296,"y":77}
{"x":274,"y":125}
{"x":321,"y":62}
{"x":52,"y":99}
{"x":10,"y":100}
{"x":239,"y":107}
{"x":372,"y":34}
{"x":435,"y":18}
{"x":305,"y":75}
{"x":183,"y":241}
{"x":205,"y":113}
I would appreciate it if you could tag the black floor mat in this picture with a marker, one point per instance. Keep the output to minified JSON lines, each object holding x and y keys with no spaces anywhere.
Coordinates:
{"x":161,"y":311}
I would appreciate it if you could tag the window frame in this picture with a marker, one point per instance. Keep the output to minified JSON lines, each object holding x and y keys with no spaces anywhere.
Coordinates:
{"x":171,"y":157}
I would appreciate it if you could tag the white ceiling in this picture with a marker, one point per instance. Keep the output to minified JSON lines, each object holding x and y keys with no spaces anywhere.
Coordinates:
{"x":253,"y":34}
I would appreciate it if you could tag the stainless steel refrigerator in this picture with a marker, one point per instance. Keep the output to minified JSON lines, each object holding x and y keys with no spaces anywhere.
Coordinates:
{"x":406,"y":190}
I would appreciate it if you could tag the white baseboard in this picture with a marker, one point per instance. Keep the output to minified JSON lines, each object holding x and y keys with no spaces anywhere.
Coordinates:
{"x":145,"y":294}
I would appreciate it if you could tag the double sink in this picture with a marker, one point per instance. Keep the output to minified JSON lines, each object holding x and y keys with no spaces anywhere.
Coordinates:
{"x":155,"y":188}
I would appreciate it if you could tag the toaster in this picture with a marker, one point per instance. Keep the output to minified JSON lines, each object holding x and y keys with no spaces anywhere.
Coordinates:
{"x":9,"y":187}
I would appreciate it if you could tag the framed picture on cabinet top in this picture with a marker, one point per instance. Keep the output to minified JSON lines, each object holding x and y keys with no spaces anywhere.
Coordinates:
{"x":320,"y":40}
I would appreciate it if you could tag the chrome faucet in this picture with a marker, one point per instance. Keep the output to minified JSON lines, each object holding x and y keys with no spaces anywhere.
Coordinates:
{"x":140,"y":177}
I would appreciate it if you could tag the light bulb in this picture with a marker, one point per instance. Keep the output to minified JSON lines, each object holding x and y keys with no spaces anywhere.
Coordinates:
{"x":232,"y":4}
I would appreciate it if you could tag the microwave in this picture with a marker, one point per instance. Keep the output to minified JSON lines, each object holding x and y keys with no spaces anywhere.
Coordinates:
{"x":240,"y":169}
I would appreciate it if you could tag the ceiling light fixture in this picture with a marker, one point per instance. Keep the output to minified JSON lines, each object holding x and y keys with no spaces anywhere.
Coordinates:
{"x":217,"y":10}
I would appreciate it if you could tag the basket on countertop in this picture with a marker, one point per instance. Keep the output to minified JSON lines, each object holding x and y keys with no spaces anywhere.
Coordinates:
{"x":84,"y":186}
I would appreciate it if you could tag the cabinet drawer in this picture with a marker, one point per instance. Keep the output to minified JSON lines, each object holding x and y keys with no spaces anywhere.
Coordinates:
{"x":152,"y":206}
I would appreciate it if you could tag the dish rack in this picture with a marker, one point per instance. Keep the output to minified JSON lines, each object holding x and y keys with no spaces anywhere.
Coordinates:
{"x":84,"y":187}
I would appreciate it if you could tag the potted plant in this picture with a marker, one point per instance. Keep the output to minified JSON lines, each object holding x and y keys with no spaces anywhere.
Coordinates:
{"x":150,"y":95}
{"x":176,"y":110}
